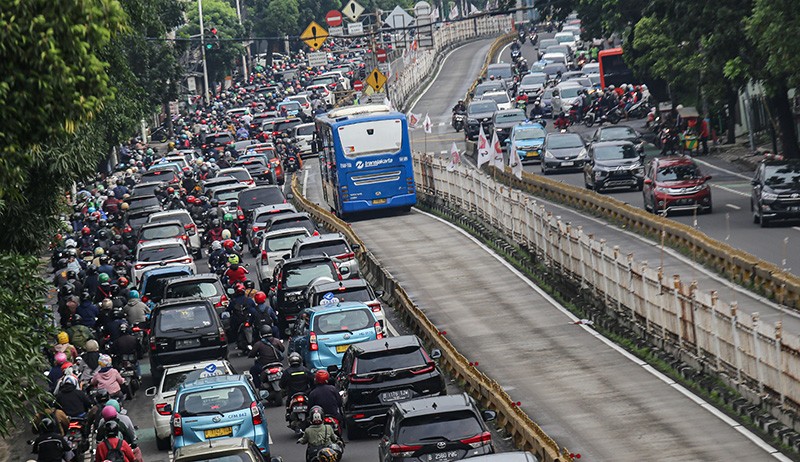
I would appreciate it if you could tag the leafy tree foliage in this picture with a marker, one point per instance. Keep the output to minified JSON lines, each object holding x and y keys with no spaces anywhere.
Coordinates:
{"x":221,"y":15}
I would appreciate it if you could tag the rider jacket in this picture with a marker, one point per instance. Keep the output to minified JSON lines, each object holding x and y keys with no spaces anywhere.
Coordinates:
{"x":267,"y":351}
{"x":319,"y":435}
{"x":328,"y":398}
{"x":73,"y":401}
{"x":296,"y":379}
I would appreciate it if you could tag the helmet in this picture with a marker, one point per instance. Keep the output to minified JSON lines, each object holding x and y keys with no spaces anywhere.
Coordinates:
{"x":91,"y":345}
{"x":60,"y":358}
{"x":106,"y":304}
{"x":71,"y":379}
{"x":115,"y":404}
{"x":91,"y":210}
{"x":238,"y":288}
{"x":216,"y":245}
{"x":109,"y":413}
{"x":227,"y":217}
{"x":226,"y":234}
{"x":491,"y":77}
{"x":47,"y":425}
{"x":118,"y":312}
{"x":327,"y":454}
{"x":233,"y":259}
{"x":111,"y":428}
{"x":63,"y":338}
{"x":295,"y":359}
{"x":103,"y":278}
{"x":260,"y":297}
{"x":249,"y":284}
{"x":316,"y":415}
{"x":133,"y":294}
{"x":321,"y":377}
{"x":123,"y":281}
{"x":190,"y":199}
{"x":125,"y":206}
{"x":265,"y":331}
{"x":86,"y":231}
{"x":228,"y":243}
{"x":70,"y":244}
{"x":104,"y":360}
{"x":123,"y":328}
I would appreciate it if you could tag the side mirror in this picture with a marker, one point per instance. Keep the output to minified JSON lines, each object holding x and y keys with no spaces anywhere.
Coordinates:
{"x":436,"y":353}
{"x":648,"y":181}
{"x":707,"y":178}
{"x":263,"y":395}
{"x":754,"y":182}
{"x":290,"y":196}
{"x":356,"y":247}
{"x":379,"y":293}
{"x":344,"y":270}
{"x":150,"y":391}
{"x":488,"y":415}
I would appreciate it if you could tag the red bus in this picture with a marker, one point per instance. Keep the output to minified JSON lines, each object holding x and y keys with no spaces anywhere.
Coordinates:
{"x":613,"y":70}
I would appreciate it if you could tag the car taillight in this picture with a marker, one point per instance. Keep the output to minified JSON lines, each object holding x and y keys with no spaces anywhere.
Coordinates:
{"x":222,"y":202}
{"x":145,"y":299}
{"x":264,"y":258}
{"x":356,"y":379}
{"x":345,"y":256}
{"x":187,"y":261}
{"x":402,"y":450}
{"x":139,"y":266}
{"x":423,"y":370}
{"x":136,"y":329}
{"x":375,"y":307}
{"x":223,"y":301}
{"x":177,"y":425}
{"x":478,"y":440}
{"x":247,"y":324}
{"x":152,"y":344}
{"x":312,"y":342}
{"x":257,"y":229}
{"x":257,"y":420}
{"x":378,"y":330}
{"x":160,"y":408}
{"x":191,"y":228}
{"x":185,"y":237}
{"x":222,"y":337}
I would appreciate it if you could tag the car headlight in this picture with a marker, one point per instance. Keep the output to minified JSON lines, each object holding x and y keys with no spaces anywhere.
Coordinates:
{"x":638,"y":171}
{"x":549,"y":155}
{"x":582,"y":154}
{"x":765,"y":196}
{"x":600,"y":174}
{"x":662,"y":189}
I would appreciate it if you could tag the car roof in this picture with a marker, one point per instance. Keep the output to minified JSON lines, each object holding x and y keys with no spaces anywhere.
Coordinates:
{"x":269,"y":208}
{"x":192,"y":277}
{"x":290,"y":216}
{"x":306,"y":259}
{"x":172,"y":212}
{"x":674,"y":160}
{"x":160,"y":242}
{"x":322,"y":238}
{"x":169,"y":303}
{"x":435,"y":405}
{"x":161,"y":223}
{"x":231,"y":169}
{"x":211,"y":382}
{"x":167,"y":269}
{"x":286,"y":231}
{"x":600,"y":144}
{"x":194,"y":366}
{"x":527,"y":125}
{"x":346,"y":283}
{"x":388,"y":343}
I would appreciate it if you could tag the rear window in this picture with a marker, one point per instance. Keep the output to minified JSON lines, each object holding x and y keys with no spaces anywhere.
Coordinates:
{"x":213,"y":402}
{"x":264,"y":217}
{"x":371,"y":137}
{"x":239,"y":174}
{"x":286,"y":125}
{"x":348,"y":295}
{"x":141,"y":202}
{"x":343,"y":321}
{"x":145,"y":189}
{"x":293,"y":223}
{"x":390,"y":360}
{"x":158,"y":175}
{"x":300,"y":276}
{"x":205,"y":289}
{"x":331,"y":248}
{"x":156,"y":283}
{"x":167,"y":252}
{"x":219,"y":139}
{"x":501,"y":71}
{"x":450,"y":426}
{"x":282,"y":243}
{"x":161,"y":232}
{"x":303,"y":131}
{"x":252,"y":198}
{"x":182,"y":317}
{"x":173,"y":379}
{"x":183,"y":218}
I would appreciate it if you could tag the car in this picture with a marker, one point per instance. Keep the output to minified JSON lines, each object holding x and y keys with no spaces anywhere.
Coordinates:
{"x":290,"y":278}
{"x":532,"y":84}
{"x":154,"y":280}
{"x":267,"y":151}
{"x":162,"y":252}
{"x":305,"y":103}
{"x":253,"y":198}
{"x":675,"y":183}
{"x":350,"y":290}
{"x":217,"y":407}
{"x":489,"y":85}
{"x":500,"y":97}
{"x":162,"y":230}
{"x":333,"y":245}
{"x":164,"y":392}
{"x":618,"y":133}
{"x":436,"y":428}
{"x":591,"y":68}
{"x":259,"y":218}
{"x":290,"y":220}
{"x":479,"y":113}
{"x":302,"y":135}
{"x":554,"y":69}
{"x":544,"y":43}
{"x":228,"y":196}
{"x":242,"y":145}
{"x":221,"y":450}
{"x":504,"y":72}
{"x":565,"y":95}
{"x":563,"y":49}
{"x":137,"y":218}
{"x":567,"y":38}
{"x":176,"y":167}
{"x":204,"y":285}
{"x":511,"y":456}
{"x":216,"y":182}
{"x":527,"y":139}
{"x":260,"y":170}
{"x":505,"y":120}
{"x":374,"y":375}
{"x":563,"y":151}
{"x":328,"y":97}
{"x":160,"y":176}
{"x":146,"y":189}
{"x":182,"y":216}
{"x":285,"y":125}
{"x":185,"y":330}
{"x":179,"y":160}
{"x":776,"y":191}
{"x":273,"y":246}
{"x":142,"y":202}
{"x":293,"y":109}
{"x":323,"y":333}
{"x":613,"y":164}
{"x":218,"y":140}
{"x":240,"y":173}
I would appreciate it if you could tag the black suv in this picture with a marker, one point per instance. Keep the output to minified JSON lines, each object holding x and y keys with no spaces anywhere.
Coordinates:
{"x":185,"y":330}
{"x":613,"y":164}
{"x":379,"y":373}
{"x":206,"y":286}
{"x":443,"y":428}
{"x":776,"y":191}
{"x":479,"y":113}
{"x":290,"y":278}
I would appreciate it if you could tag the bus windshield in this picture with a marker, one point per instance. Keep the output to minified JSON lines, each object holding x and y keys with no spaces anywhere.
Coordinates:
{"x":373,"y":137}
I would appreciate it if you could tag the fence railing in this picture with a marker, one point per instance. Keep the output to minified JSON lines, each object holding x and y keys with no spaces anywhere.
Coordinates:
{"x":680,"y":314}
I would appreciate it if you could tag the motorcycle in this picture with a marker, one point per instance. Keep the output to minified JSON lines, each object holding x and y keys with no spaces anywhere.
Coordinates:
{"x":244,"y":339}
{"x":76,"y":438}
{"x":593,"y":116}
{"x":292,"y":165}
{"x":639,"y":109}
{"x":270,"y":381}
{"x":522,"y":37}
{"x":459,"y":118}
{"x":515,"y":54}
{"x":297,"y":412}
{"x":127,"y":369}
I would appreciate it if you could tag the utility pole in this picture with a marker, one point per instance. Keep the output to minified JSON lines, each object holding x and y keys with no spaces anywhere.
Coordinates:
{"x":203,"y":51}
{"x":244,"y":59}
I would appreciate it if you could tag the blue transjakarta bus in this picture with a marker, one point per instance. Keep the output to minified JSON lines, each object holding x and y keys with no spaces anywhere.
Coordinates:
{"x":365,"y":159}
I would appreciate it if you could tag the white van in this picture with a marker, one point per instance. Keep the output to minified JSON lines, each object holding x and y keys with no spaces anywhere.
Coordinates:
{"x":559,"y":58}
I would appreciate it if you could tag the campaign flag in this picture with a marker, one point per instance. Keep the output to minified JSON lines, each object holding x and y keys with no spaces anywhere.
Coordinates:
{"x":427,"y":125}
{"x":483,"y":148}
{"x":455,"y":158}
{"x":497,"y":152}
{"x":413,"y":119}
{"x":514,"y":162}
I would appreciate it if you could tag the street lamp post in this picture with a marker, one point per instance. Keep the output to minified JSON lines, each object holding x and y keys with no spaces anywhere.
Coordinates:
{"x":203,"y":51}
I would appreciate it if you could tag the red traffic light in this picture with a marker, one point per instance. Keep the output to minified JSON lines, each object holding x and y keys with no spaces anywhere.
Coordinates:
{"x":213,"y":31}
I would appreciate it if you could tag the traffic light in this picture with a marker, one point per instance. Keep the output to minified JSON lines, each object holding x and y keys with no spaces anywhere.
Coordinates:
{"x":213,"y":39}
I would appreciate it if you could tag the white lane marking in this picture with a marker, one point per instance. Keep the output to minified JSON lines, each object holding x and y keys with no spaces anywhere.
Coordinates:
{"x":796,"y":228}
{"x":441,"y":124}
{"x":390,"y":328}
{"x":435,"y":77}
{"x":443,"y":151}
{"x":683,"y":390}
{"x":305,"y":181}
{"x":502,"y":50}
{"x":724,"y":170}
{"x":730,"y":190}
{"x":734,"y":207}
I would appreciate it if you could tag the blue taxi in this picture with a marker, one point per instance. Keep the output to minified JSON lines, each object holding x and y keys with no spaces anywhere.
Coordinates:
{"x":324,"y":332}
{"x":221,"y":406}
{"x":528,"y":139}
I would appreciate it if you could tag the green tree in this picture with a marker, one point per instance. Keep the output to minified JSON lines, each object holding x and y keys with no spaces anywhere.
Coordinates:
{"x":222,"y":16}
{"x":276,"y":18}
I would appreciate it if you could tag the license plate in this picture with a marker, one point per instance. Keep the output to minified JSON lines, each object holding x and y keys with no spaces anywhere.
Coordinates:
{"x":396,"y":395}
{"x":794,"y":209}
{"x":218,"y":432}
{"x":532,"y":154}
{"x":188,"y":343}
{"x":439,"y":456}
{"x":567,"y":164}
{"x":300,"y":408}
{"x":341,"y":348}
{"x":378,"y":201}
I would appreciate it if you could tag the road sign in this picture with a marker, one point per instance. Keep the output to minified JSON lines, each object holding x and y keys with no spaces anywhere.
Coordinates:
{"x":380,"y":55}
{"x":352,"y":10}
{"x":333,"y":18}
{"x":422,"y":8}
{"x":358,"y":85}
{"x":385,"y":68}
{"x":317,"y":59}
{"x":376,"y":79}
{"x":355,"y":28}
{"x":336,"y":31}
{"x":314,"y":35}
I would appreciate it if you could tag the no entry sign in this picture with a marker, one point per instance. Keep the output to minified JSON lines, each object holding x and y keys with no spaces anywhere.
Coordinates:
{"x":333,"y":18}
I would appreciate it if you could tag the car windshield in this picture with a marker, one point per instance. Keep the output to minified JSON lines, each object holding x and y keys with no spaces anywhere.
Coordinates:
{"x":252,"y":198}
{"x":184,"y":317}
{"x":204,"y":289}
{"x":343,"y":321}
{"x":678,"y":173}
{"x":503,"y":72}
{"x":183,"y":217}
{"x":360,"y":294}
{"x":570,"y":92}
{"x":534,"y":79}
{"x":498,"y":98}
{"x":300,"y":276}
{"x":330,"y":248}
{"x":625,"y":151}
{"x":214,"y":402}
{"x":275,"y":244}
{"x":161,"y":253}
{"x":616,"y":133}
{"x":481,"y":106}
{"x":782,"y":176}
{"x":306,"y":130}
{"x":161,"y":232}
{"x":450,"y":426}
{"x":564,"y":141}
{"x":173,"y":379}
{"x":529,"y":133}
{"x":390,"y":360}
{"x":516,"y":116}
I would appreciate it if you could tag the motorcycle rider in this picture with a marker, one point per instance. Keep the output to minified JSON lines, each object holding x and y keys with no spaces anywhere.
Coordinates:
{"x":74,"y":401}
{"x":107,"y":377}
{"x":110,"y":413}
{"x":136,"y":310}
{"x":240,"y":308}
{"x":113,"y":443}
{"x":65,"y":347}
{"x":214,"y":232}
{"x":325,"y":395}
{"x":266,"y":350}
{"x":297,"y":378}
{"x":128,"y":345}
{"x":88,"y":364}
{"x":50,"y":446}
{"x":235,"y":273}
{"x":459,"y":108}
{"x":218,"y":257}
{"x":266,"y":316}
{"x":318,"y":435}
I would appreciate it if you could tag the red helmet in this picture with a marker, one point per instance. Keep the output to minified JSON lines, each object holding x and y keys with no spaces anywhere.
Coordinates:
{"x":228,"y":243}
{"x":260,"y":297}
{"x":190,"y":199}
{"x":85,"y":230}
{"x":238,"y":288}
{"x":171,"y":190}
{"x":321,"y":377}
{"x":197,"y":201}
{"x":122,"y":281}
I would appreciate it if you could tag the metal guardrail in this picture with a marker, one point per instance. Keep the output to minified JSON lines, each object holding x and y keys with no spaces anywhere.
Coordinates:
{"x":525,"y":433}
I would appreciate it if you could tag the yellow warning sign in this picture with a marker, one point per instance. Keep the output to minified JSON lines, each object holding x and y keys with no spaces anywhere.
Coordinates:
{"x":314,"y":35}
{"x":376,"y":80}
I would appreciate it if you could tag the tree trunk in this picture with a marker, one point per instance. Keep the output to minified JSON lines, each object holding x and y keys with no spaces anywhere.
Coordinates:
{"x":731,"y":99}
{"x":783,"y":112}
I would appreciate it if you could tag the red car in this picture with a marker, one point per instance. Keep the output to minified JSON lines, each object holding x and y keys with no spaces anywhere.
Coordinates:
{"x":673,"y":184}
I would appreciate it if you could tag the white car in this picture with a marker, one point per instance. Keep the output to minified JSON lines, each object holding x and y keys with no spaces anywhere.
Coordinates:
{"x":328,"y":97}
{"x":164,"y":394}
{"x":341,"y":75}
{"x":160,"y":252}
{"x":566,"y":94}
{"x":567,"y":38}
{"x":188,"y":224}
{"x":500,"y":97}
{"x":303,"y":134}
{"x":305,"y":104}
{"x":274,"y":245}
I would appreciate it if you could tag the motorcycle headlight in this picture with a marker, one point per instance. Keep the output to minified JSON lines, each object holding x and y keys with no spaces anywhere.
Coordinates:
{"x":765,"y":196}
{"x":549,"y":155}
{"x":582,"y":154}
